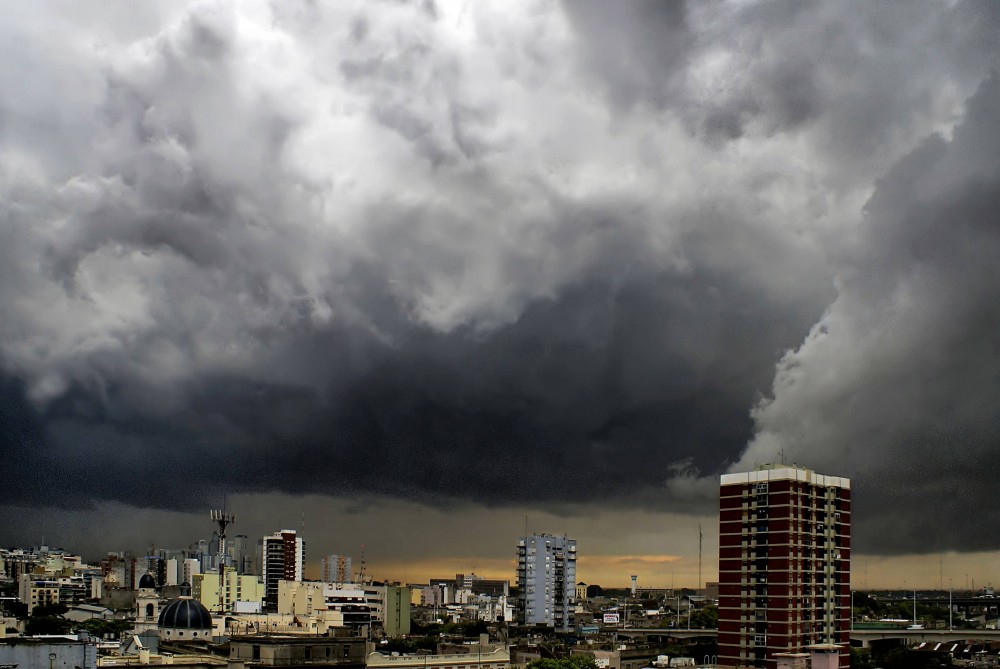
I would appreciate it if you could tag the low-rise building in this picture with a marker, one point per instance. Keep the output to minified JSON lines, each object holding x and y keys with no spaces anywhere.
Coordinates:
{"x":497,"y":658}
{"x":295,"y":651}
{"x":68,"y":651}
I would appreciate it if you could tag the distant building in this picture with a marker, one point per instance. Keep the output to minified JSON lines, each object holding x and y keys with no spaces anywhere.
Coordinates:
{"x":244,"y":590}
{"x":191,"y":567}
{"x":784,"y":565}
{"x":337,"y":569}
{"x":282,"y":558}
{"x":173,"y":570}
{"x":482,"y":586}
{"x":546,"y":579}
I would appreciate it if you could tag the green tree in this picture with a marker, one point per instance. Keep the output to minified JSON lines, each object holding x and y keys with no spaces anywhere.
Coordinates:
{"x":861,"y":658}
{"x":705,"y":618}
{"x":46,"y":625}
{"x":571,"y":662}
{"x":104,"y":628}
{"x":49,"y":610}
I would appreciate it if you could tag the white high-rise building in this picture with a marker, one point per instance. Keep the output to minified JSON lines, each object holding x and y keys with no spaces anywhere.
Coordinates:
{"x":546,"y":579}
{"x":192,"y":566}
{"x":282,"y":559}
{"x":171,"y":578}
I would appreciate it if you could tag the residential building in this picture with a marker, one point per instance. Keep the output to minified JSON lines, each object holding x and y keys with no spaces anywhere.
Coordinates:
{"x":282,"y":559}
{"x":172,"y":572}
{"x":34,"y":591}
{"x":784,"y":564}
{"x":337,"y":569}
{"x":546,"y":578}
{"x":395,"y":610}
{"x":191,"y":567}
{"x":348,"y":607}
{"x":242,"y":591}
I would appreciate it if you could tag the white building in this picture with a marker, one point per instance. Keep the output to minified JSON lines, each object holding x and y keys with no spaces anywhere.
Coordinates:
{"x":546,"y":578}
{"x":192,"y":566}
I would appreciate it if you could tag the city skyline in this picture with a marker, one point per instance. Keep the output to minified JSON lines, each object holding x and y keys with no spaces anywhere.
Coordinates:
{"x":663,"y":561}
{"x":412,"y":271}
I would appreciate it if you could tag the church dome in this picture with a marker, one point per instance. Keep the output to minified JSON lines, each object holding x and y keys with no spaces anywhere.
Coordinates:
{"x":147,"y":581}
{"x":185,"y":614}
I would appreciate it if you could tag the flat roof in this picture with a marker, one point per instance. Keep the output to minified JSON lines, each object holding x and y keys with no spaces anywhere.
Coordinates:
{"x":785,"y":473}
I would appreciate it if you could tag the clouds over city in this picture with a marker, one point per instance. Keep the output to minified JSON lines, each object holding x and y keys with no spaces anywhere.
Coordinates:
{"x":473,"y":253}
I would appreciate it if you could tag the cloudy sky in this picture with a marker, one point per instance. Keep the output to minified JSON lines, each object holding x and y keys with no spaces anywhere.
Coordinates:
{"x":418,"y":274}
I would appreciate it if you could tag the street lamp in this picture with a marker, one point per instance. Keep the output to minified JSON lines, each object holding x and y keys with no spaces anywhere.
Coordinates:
{"x":52,"y":658}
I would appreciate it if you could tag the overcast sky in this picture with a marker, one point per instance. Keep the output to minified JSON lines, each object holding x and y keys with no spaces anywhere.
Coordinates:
{"x":416,"y":270}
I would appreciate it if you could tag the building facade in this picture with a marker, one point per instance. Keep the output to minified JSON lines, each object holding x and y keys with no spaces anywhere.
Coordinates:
{"x":784,"y":564}
{"x":282,"y":559}
{"x":241,"y":591}
{"x":337,"y":569}
{"x":546,"y":579}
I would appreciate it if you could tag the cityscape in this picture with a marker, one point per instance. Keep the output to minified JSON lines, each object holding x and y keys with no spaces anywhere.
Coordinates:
{"x":783,"y":599}
{"x":500,"y":334}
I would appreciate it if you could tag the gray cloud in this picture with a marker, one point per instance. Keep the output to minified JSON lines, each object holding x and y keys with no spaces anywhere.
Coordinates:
{"x":896,"y":384}
{"x":541,"y":254}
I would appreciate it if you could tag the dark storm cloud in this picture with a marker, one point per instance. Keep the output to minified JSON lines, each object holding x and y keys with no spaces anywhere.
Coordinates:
{"x":440,"y":252}
{"x":897,"y":384}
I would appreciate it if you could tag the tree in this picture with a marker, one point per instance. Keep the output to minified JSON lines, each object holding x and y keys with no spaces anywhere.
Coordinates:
{"x":46,"y":625}
{"x":571,"y":662}
{"x":104,"y":628}
{"x":861,"y":658}
{"x":49,"y":610}
{"x":705,"y":618}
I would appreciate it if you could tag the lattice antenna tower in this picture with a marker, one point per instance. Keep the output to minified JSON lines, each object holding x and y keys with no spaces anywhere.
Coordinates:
{"x":224,"y":520}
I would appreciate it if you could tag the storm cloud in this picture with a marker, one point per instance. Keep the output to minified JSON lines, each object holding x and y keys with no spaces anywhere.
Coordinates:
{"x":505,"y":254}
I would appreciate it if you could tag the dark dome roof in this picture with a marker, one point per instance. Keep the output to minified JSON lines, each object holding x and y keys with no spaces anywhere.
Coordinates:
{"x":185,"y":614}
{"x":147,"y":581}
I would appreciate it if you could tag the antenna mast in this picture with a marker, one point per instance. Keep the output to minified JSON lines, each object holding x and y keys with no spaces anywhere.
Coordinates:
{"x":224,"y":519}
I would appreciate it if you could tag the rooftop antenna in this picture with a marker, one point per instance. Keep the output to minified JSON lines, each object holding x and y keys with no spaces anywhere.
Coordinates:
{"x":224,"y":519}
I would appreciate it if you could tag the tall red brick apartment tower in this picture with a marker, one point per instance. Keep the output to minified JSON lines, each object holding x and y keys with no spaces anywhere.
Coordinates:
{"x":784,"y":564}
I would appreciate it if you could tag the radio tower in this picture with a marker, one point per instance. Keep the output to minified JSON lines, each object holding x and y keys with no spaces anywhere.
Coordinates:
{"x":224,"y":519}
{"x":362,"y":566}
